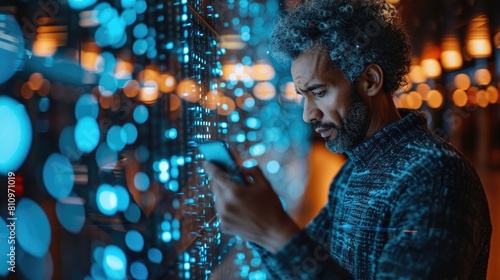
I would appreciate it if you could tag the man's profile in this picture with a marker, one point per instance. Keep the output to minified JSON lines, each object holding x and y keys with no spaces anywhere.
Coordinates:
{"x":405,"y":205}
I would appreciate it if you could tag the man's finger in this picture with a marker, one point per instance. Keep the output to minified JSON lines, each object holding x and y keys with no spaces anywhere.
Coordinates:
{"x":255,"y":174}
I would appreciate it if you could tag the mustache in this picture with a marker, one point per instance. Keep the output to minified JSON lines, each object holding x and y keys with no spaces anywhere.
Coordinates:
{"x":317,"y":125}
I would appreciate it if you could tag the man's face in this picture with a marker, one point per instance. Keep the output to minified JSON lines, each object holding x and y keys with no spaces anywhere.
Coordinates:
{"x":331,"y":103}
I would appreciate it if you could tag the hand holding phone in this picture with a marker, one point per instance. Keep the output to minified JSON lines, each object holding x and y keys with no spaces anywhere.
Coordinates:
{"x":218,"y":152}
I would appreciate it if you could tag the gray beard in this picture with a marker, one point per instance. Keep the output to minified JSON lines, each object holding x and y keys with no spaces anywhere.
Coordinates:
{"x":353,"y":126}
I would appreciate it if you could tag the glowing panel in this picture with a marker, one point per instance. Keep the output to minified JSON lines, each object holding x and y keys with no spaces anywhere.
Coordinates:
{"x":71,"y":213}
{"x":87,"y":134}
{"x":58,"y":176}
{"x":32,"y":219}
{"x":15,"y":135}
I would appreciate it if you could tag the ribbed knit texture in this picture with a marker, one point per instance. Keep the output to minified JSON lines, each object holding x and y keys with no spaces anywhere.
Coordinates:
{"x":405,"y":205}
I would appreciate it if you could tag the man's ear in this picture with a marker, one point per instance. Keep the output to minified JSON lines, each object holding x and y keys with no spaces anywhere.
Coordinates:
{"x":372,"y":79}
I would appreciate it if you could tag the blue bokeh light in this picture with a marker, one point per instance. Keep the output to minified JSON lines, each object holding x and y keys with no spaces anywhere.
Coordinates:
{"x":12,"y":47}
{"x":133,"y":213}
{"x":140,"y":6}
{"x":273,"y":166}
{"x":114,"y":140}
{"x":87,"y":134}
{"x":71,"y":213}
{"x":171,"y":133}
{"x":141,"y":181}
{"x":67,"y":144}
{"x":128,"y":3}
{"x":123,"y":198}
{"x":15,"y":143}
{"x":138,"y":270}
{"x":129,"y":133}
{"x":257,"y":150}
{"x":130,"y":16}
{"x":86,"y":105}
{"x":140,"y":31}
{"x":141,"y":114}
{"x":114,"y":262}
{"x":108,"y":84}
{"x":173,"y":185}
{"x":32,"y":219}
{"x":134,"y":240}
{"x":81,"y":4}
{"x":155,"y":255}
{"x":140,"y":47}
{"x":107,"y":201}
{"x":105,"y":157}
{"x":253,"y":123}
{"x":106,"y":63}
{"x":58,"y":176}
{"x":44,"y":104}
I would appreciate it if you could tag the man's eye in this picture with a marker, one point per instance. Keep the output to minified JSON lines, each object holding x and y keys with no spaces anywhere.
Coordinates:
{"x":319,"y":94}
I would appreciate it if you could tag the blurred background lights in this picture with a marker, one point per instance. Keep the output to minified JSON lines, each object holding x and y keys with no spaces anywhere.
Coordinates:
{"x":86,"y":106}
{"x":171,"y":133}
{"x":155,"y":255}
{"x":114,"y":262}
{"x":11,"y":46}
{"x":141,"y":114}
{"x":141,"y":181}
{"x":133,"y":213}
{"x":123,"y":198}
{"x":128,"y":133}
{"x":32,"y":219}
{"x":114,"y":138}
{"x":70,"y":212}
{"x":107,"y":201}
{"x":87,"y":134}
{"x":134,"y":240}
{"x":105,"y":157}
{"x":58,"y":176}
{"x":127,"y":4}
{"x":139,"y":271}
{"x":67,"y":144}
{"x":107,"y":84}
{"x":81,"y":4}
{"x":15,"y":135}
{"x":273,"y":166}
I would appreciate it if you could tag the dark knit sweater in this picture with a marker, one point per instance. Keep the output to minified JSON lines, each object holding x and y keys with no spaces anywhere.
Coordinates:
{"x":405,"y":205}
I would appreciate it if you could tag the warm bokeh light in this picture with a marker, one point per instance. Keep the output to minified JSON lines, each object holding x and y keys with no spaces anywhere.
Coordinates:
{"x":482,"y":98}
{"x":189,"y":90}
{"x":26,"y":91}
{"x":149,"y":92}
{"x":174,"y":101}
{"x":417,"y":74}
{"x":226,"y":106}
{"x":263,"y":72}
{"x":451,"y":57}
{"x":44,"y":48}
{"x":211,"y":99}
{"x":472,"y":96}
{"x":44,"y":88}
{"x":493,"y":94}
{"x":434,"y":99}
{"x":288,"y":92}
{"x":462,"y":81}
{"x":423,"y":90}
{"x":431,"y":67}
{"x":148,"y":74}
{"x":167,"y":83}
{"x":264,"y":91}
{"x":123,"y":69}
{"x":478,"y":37}
{"x":35,"y":81}
{"x":414,"y":100}
{"x":131,"y":88}
{"x":232,"y":71}
{"x":105,"y":101}
{"x":459,"y":97}
{"x":482,"y":77}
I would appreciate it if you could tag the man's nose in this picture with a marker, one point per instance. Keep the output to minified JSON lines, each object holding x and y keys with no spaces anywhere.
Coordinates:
{"x":311,"y":112}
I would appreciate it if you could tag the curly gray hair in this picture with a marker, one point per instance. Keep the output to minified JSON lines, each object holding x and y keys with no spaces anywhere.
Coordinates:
{"x":354,"y":32}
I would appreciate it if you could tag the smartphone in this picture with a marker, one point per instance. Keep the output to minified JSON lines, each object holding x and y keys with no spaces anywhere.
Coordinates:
{"x":218,"y":152}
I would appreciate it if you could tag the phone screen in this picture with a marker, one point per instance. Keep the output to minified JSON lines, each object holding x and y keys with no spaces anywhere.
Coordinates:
{"x":218,"y":152}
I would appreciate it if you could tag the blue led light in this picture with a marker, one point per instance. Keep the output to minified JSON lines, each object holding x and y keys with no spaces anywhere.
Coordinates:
{"x":86,"y":105}
{"x":141,"y":6}
{"x":140,"y":31}
{"x":123,"y":198}
{"x":171,"y":133}
{"x":234,"y":116}
{"x":165,"y":226}
{"x":71,"y":213}
{"x":253,"y":123}
{"x":134,"y":240}
{"x":58,"y":176}
{"x":241,"y":137}
{"x":249,"y":163}
{"x":14,"y":145}
{"x":257,"y":150}
{"x":4,"y":248}
{"x":130,"y":16}
{"x":114,"y":140}
{"x":81,"y":4}
{"x":180,"y":161}
{"x":107,"y":201}
{"x":273,"y":166}
{"x":173,"y":185}
{"x":169,"y":46}
{"x":128,"y":3}
{"x":108,"y":84}
{"x":155,"y":255}
{"x":32,"y":219}
{"x":176,"y":235}
{"x":105,"y":157}
{"x":138,"y":270}
{"x":114,"y":262}
{"x":141,"y":114}
{"x":164,"y":176}
{"x":166,"y":236}
{"x":128,"y":133}
{"x":133,"y":213}
{"x":164,"y":165}
{"x":43,"y":104}
{"x":141,"y":181}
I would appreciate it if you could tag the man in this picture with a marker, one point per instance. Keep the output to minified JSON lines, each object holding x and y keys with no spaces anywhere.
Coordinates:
{"x":405,"y":205}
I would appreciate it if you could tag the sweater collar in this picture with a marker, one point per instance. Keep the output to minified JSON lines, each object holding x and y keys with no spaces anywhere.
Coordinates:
{"x":410,"y":126}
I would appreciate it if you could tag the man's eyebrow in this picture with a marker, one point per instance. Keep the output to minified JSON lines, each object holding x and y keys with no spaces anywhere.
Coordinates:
{"x":309,"y":88}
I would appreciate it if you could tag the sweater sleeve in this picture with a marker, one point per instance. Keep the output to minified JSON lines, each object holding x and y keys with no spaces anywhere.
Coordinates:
{"x":443,"y":226}
{"x":305,"y":256}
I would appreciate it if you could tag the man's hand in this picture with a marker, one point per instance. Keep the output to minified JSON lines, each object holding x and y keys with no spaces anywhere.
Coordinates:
{"x":252,"y":211}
